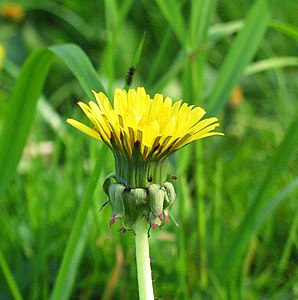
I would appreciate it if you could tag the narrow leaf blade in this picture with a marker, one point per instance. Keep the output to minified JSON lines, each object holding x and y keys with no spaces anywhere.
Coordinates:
{"x":80,"y":65}
{"x":241,"y":53}
{"x":20,"y":116}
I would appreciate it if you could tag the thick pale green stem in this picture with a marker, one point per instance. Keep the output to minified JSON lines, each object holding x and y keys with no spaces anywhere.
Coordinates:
{"x":143,"y":260}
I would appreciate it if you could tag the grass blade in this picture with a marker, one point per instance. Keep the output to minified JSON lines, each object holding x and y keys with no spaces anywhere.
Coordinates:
{"x":285,"y":28}
{"x":136,"y":60}
{"x":262,"y":204}
{"x":240,"y":54}
{"x":77,"y":239}
{"x":21,"y":113}
{"x":201,"y":13}
{"x":9,"y":278}
{"x":65,"y":14}
{"x":285,"y":258}
{"x":80,"y":65}
{"x":172,"y":12}
{"x":218,"y":31}
{"x":271,"y":63}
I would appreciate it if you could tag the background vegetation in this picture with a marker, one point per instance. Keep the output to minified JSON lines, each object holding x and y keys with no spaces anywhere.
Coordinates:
{"x":237,"y":195}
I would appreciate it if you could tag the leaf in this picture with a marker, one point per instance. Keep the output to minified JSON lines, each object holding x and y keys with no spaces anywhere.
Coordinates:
{"x":239,"y":56}
{"x":136,"y":60}
{"x":65,"y":14}
{"x":77,"y":240}
{"x":172,"y":12}
{"x":271,"y":63}
{"x":262,"y":205}
{"x":218,"y":31}
{"x":80,"y":65}
{"x":9,"y":278}
{"x":20,"y":114}
{"x":24,"y":98}
{"x":15,"y":132}
{"x":285,"y":28}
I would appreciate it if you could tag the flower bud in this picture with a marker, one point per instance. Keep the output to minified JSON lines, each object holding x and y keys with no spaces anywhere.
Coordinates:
{"x":140,"y":196}
{"x":115,"y":193}
{"x":156,"y":197}
{"x":170,"y":197}
{"x":155,"y":221}
{"x":130,"y":209}
{"x":141,"y":200}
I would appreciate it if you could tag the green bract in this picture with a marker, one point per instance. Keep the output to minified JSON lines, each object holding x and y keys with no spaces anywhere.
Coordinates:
{"x":153,"y":202}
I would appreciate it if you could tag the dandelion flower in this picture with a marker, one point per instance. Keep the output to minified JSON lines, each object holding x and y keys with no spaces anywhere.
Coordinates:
{"x":142,"y":132}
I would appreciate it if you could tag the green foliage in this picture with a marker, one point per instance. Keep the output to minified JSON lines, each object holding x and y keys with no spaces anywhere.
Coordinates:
{"x":19,"y":116}
{"x":236,"y":205}
{"x":240,"y":54}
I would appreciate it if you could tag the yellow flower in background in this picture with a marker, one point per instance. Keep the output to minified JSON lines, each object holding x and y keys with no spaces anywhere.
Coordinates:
{"x":15,"y":12}
{"x":157,"y":125}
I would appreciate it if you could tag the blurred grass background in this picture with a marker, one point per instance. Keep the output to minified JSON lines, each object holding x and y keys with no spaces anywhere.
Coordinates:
{"x":237,"y":196}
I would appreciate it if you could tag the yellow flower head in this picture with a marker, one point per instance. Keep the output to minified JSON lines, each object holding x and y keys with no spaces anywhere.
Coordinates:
{"x":157,"y":126}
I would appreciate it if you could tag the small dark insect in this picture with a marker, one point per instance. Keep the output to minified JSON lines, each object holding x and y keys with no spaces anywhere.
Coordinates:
{"x":174,"y":177}
{"x":149,"y":179}
{"x":148,"y":232}
{"x":129,"y":76}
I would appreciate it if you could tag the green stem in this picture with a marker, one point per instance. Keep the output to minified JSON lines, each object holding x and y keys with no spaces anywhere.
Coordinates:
{"x":143,"y":260}
{"x":14,"y":289}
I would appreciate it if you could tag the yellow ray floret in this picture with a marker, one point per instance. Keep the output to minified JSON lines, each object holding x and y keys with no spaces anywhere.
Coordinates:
{"x":157,"y":126}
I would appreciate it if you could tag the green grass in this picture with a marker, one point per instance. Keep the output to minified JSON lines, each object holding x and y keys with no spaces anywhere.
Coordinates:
{"x":236,"y":206}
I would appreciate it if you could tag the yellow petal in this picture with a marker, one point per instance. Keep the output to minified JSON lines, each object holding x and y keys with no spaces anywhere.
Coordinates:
{"x":82,"y":127}
{"x":158,"y":125}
